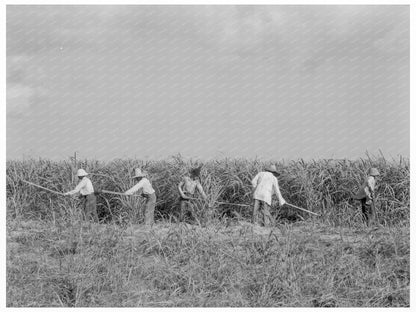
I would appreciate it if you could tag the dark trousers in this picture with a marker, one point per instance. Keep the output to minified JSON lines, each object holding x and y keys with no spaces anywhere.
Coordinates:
{"x":367,"y":210}
{"x":90,"y":207}
{"x":185,"y":206}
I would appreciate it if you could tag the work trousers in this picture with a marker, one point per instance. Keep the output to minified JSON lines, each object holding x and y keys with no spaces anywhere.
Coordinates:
{"x":261,"y":213}
{"x":185,"y":207}
{"x":367,"y":210}
{"x":149,"y":212}
{"x":89,"y":203}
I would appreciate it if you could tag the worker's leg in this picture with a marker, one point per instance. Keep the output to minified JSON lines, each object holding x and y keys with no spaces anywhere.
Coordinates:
{"x":91,"y":208}
{"x":182,"y":209}
{"x":256,"y":208}
{"x":371,"y":212}
{"x":186,"y":210}
{"x":364,"y":210}
{"x":94,"y":208}
{"x":86,"y":210}
{"x":149,"y":214}
{"x":267,"y":217}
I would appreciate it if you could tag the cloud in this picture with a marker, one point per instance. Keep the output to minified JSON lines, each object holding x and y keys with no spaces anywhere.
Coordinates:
{"x":396,"y":40}
{"x":242,"y":30}
{"x":18,"y":99}
{"x":236,"y":29}
{"x":304,"y":34}
{"x":24,"y":86}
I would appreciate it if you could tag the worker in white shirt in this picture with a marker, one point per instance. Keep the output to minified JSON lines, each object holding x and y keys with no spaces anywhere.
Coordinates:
{"x":265,"y":184}
{"x":144,"y":187}
{"x":187,"y":188}
{"x":89,"y":201}
{"x":366,"y":196}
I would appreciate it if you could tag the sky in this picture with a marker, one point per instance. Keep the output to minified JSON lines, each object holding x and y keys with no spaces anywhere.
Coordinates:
{"x":272,"y":82}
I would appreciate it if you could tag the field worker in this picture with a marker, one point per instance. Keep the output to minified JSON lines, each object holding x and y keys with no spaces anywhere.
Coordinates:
{"x":144,"y":187}
{"x":366,"y":195}
{"x":89,"y":201}
{"x":187,"y":188}
{"x":265,"y":184}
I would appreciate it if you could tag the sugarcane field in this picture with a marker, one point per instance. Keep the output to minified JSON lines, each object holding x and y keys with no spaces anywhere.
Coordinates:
{"x":215,"y":255}
{"x":207,"y":156}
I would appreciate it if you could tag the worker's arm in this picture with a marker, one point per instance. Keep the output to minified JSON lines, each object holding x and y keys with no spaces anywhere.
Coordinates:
{"x":201,"y":190}
{"x":371,"y":183}
{"x":77,"y":188}
{"x":135,"y":188}
{"x":277,"y":191}
{"x":182,"y":194}
{"x":255,"y":180}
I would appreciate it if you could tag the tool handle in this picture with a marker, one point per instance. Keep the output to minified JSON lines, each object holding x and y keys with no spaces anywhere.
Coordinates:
{"x":117,"y":193}
{"x":303,"y":209}
{"x":42,"y":187}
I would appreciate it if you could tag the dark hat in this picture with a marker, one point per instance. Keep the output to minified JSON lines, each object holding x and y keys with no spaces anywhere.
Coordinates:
{"x":196,"y":171}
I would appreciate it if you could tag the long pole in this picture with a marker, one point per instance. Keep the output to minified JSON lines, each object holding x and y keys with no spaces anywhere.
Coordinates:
{"x":224,"y":203}
{"x":117,"y":193}
{"x":244,"y":205}
{"x":44,"y":188}
{"x":302,"y":209}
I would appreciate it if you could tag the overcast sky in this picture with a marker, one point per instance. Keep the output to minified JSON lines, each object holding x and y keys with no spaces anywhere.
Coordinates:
{"x":207,"y":81}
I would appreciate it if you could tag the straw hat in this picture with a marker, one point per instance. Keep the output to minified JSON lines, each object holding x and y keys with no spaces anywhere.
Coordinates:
{"x":272,"y":168}
{"x":81,"y":173}
{"x":138,"y":173}
{"x":373,"y":172}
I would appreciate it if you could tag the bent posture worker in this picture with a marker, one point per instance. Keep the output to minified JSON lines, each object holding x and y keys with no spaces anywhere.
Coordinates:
{"x":89,"y":201}
{"x":144,"y":186}
{"x":366,"y":196}
{"x":265,"y":184}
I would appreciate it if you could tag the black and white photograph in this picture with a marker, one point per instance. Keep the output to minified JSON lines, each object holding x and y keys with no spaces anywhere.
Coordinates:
{"x":207,"y":155}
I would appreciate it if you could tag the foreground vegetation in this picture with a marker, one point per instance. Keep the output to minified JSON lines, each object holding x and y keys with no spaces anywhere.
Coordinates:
{"x":291,"y":265}
{"x":218,"y":258}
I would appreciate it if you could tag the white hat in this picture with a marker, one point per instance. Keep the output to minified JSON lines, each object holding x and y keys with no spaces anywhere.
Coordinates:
{"x":272,"y":168}
{"x":373,"y":172}
{"x":81,"y":173}
{"x":138,"y":173}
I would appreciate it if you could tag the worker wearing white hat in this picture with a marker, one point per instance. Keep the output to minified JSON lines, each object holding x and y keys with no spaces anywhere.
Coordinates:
{"x":89,"y":201}
{"x":366,"y":195}
{"x":265,"y":184}
{"x":144,"y":186}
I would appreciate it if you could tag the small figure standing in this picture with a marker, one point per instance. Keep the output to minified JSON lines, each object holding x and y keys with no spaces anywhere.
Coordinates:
{"x":265,"y":184}
{"x":144,"y":186}
{"x":89,"y":201}
{"x":187,"y":188}
{"x":366,"y":196}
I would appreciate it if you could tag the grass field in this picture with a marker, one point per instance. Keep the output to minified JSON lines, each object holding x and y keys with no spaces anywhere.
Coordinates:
{"x":219,"y":259}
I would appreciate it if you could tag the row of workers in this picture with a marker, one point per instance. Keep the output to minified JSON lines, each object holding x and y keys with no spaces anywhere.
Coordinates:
{"x":265,"y":185}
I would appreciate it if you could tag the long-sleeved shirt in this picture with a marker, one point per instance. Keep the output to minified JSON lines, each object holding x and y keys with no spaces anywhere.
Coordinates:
{"x":84,"y":187}
{"x":265,"y":185}
{"x":144,"y":185}
{"x":367,"y":189}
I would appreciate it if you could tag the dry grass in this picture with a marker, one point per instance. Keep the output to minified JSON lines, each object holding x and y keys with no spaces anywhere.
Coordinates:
{"x":301,"y":265}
